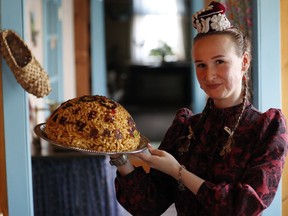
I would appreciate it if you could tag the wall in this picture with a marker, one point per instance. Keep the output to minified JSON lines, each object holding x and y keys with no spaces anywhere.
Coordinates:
{"x":33,"y":8}
{"x":34,"y":39}
{"x":68,"y":50}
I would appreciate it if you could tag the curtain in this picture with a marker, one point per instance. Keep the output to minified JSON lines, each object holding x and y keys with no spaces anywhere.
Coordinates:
{"x":240,"y":14}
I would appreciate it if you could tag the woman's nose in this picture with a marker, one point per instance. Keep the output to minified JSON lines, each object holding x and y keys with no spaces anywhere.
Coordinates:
{"x":210,"y":74}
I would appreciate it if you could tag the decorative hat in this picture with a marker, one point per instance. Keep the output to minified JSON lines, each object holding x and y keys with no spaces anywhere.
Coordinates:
{"x":211,"y":19}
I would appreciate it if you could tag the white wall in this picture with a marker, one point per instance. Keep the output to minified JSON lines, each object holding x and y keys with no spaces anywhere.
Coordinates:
{"x":33,"y":8}
{"x":68,"y":50}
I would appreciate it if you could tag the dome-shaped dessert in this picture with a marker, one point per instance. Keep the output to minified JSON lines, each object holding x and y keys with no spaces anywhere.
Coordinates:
{"x":93,"y":123}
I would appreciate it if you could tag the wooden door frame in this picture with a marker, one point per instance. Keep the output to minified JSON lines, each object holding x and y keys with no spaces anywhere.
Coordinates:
{"x":16,"y":123}
{"x":284,"y":70}
{"x":82,"y":47}
{"x":3,"y":183}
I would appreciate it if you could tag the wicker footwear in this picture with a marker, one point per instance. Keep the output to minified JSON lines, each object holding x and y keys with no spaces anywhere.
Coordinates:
{"x":26,"y":69}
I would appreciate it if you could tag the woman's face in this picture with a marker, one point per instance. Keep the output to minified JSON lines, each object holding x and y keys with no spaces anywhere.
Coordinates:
{"x":219,"y":69}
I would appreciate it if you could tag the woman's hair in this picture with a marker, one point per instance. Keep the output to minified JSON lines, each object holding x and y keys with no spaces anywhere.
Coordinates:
{"x":242,"y":43}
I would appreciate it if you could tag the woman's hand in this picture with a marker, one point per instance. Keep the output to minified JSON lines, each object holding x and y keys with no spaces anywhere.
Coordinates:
{"x":160,"y":160}
{"x":166,"y":163}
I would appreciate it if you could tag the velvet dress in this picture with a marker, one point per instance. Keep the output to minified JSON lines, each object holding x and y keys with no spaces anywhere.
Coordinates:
{"x":242,"y":182}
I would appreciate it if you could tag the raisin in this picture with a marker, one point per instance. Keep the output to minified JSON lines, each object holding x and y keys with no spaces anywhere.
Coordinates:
{"x":110,"y":104}
{"x":87,"y":98}
{"x":94,"y":133}
{"x":75,"y":111}
{"x":92,"y":115}
{"x":118,"y":134}
{"x":80,"y":125}
{"x":109,"y":118}
{"x":55,"y":117}
{"x":63,"y":120}
{"x":131,"y":131}
{"x":106,"y":133}
{"x":130,"y":121}
{"x":66,"y":105}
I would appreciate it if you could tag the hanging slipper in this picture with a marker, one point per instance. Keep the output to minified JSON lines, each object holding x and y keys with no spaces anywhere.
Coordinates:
{"x":26,"y":69}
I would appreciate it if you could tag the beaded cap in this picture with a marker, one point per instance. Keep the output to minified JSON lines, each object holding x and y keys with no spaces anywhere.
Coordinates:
{"x":211,"y":19}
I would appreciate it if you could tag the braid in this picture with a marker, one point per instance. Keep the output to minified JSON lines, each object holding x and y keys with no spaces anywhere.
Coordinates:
{"x":230,"y":140}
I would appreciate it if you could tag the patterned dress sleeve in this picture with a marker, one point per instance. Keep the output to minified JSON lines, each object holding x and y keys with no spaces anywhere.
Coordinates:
{"x":257,"y":186}
{"x":152,"y":193}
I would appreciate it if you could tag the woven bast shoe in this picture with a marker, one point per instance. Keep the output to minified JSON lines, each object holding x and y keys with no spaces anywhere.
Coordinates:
{"x":26,"y":69}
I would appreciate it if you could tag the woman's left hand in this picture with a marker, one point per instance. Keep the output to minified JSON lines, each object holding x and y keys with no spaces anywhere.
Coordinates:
{"x":160,"y":160}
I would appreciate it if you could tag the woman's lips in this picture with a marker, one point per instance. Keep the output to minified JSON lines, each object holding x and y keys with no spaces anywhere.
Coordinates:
{"x":213,"y":86}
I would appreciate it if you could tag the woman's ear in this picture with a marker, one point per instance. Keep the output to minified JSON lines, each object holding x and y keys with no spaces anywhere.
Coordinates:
{"x":245,"y":61}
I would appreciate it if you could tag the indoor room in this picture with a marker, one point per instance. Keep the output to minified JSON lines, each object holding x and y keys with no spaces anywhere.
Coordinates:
{"x":137,"y":53}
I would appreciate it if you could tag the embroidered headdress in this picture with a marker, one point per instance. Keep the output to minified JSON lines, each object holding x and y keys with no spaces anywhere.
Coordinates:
{"x":211,"y":19}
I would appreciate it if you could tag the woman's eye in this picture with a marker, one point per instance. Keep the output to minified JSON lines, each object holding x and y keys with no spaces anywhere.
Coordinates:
{"x":200,"y":65}
{"x":219,"y":61}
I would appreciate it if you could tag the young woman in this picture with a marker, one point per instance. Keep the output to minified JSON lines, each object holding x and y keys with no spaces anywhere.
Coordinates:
{"x":227,"y":160}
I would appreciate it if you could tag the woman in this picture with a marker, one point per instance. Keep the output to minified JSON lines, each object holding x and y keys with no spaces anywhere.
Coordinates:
{"x":227,"y":160}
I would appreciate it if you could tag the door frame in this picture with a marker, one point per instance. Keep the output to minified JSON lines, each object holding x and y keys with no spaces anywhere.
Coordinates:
{"x":16,"y":122}
{"x":266,"y":66}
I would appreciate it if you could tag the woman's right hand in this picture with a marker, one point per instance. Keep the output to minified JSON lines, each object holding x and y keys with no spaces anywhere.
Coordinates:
{"x":160,"y":160}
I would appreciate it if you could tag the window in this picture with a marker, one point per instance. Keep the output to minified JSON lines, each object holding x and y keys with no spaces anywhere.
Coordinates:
{"x":156,"y":23}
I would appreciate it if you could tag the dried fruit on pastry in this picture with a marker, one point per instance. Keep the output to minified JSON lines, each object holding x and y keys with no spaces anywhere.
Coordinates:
{"x":93,"y":123}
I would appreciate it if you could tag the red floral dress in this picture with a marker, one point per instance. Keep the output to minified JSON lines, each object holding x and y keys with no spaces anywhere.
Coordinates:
{"x":243,"y":182}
